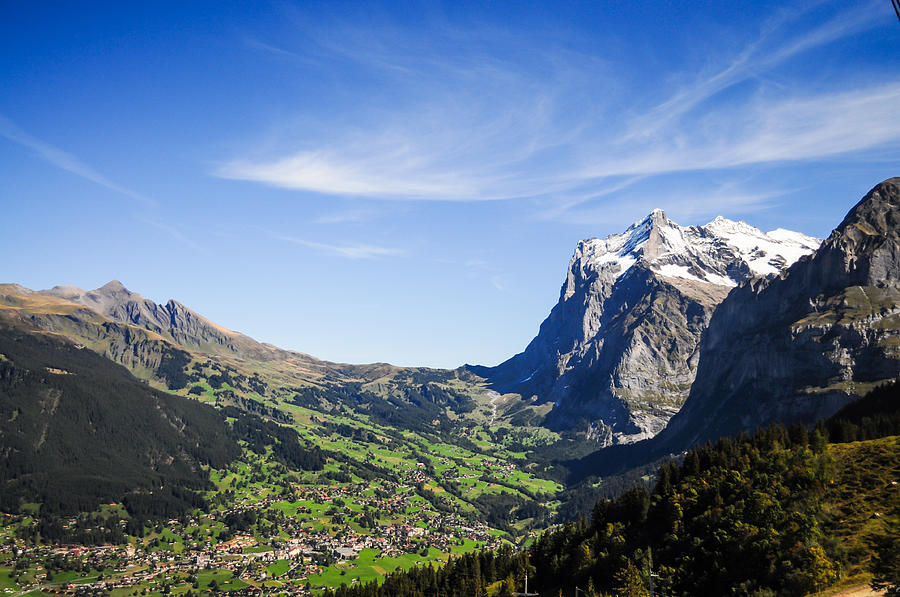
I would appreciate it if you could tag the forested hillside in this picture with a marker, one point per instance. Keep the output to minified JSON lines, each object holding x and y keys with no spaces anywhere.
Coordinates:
{"x":780,"y":512}
{"x":78,"y":431}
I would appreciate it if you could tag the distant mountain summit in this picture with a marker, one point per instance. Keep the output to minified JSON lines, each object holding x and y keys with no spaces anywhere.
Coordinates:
{"x":158,"y":342}
{"x":618,"y":353}
{"x":154,"y":341}
{"x":798,"y":346}
{"x":173,"y":320}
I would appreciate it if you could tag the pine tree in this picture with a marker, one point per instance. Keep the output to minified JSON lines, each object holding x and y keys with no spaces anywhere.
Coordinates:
{"x":631,"y":584}
{"x":885,"y":563}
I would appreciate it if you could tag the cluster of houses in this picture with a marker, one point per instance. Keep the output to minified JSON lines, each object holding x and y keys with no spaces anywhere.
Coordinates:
{"x":308,"y":551}
{"x":392,"y":520}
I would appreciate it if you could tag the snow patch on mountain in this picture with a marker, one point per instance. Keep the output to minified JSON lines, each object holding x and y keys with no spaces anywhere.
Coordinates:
{"x":723,"y":252}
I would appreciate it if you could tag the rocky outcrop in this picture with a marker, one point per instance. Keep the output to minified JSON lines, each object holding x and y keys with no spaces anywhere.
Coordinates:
{"x":141,"y":351}
{"x":618,"y":353}
{"x":800,"y":345}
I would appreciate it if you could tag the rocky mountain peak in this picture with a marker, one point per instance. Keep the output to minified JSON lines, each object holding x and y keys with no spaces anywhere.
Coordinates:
{"x":722,"y":226}
{"x":172,"y":320}
{"x":865,"y":245}
{"x":64,"y":291}
{"x":722,"y":252}
{"x":616,"y":253}
{"x":877,"y":214}
{"x":112,"y":287}
{"x":618,"y":353}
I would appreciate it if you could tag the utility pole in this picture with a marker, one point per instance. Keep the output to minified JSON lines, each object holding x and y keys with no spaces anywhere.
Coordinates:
{"x":526,"y":593}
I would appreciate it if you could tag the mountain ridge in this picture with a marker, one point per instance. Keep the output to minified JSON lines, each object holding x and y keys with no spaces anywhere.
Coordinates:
{"x":137,"y":332}
{"x":616,"y":358}
{"x":172,"y":320}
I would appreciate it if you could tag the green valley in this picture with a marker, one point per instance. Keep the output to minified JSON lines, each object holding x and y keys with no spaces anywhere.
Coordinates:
{"x":313,"y":485}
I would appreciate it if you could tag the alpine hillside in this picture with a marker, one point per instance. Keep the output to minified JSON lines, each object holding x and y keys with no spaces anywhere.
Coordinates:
{"x":618,"y":353}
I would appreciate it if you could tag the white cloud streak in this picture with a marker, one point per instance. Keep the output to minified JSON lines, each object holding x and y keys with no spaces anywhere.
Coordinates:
{"x":483,"y":126}
{"x":346,"y":251}
{"x":758,"y":57}
{"x":175,"y":233}
{"x":65,"y":161}
{"x":795,"y":129}
{"x":391,"y":173}
{"x":356,"y":216}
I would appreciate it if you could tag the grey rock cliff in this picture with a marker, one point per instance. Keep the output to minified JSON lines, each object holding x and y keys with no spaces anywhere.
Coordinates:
{"x":618,"y":353}
{"x":799,"y":346}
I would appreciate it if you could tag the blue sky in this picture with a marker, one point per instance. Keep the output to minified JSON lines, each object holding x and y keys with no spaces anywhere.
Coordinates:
{"x":406,"y":182}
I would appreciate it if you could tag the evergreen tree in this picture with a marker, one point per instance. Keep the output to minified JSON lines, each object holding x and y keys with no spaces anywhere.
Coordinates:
{"x":630,"y":582}
{"x":885,"y":562}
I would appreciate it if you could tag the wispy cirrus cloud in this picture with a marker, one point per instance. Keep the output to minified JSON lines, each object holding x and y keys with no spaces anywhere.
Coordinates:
{"x":769,"y":50}
{"x":173,"y":231}
{"x":494,"y":122}
{"x":377,"y":171}
{"x":478,"y":268}
{"x":768,"y":130}
{"x":149,"y":214}
{"x":465,"y":149}
{"x":355,"y":216}
{"x":65,"y":161}
{"x":350,"y":251}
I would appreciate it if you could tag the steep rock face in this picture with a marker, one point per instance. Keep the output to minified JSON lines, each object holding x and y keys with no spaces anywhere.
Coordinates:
{"x":618,"y":353}
{"x":799,"y":346}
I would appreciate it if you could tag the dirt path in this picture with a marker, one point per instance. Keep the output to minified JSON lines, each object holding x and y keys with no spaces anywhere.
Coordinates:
{"x":857,"y":591}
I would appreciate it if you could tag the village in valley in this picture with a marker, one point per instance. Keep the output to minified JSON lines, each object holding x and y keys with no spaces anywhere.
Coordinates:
{"x":269,"y":529}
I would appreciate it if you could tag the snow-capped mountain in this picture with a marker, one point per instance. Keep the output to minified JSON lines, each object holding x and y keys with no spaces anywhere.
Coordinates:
{"x":722,"y":252}
{"x":618,"y":353}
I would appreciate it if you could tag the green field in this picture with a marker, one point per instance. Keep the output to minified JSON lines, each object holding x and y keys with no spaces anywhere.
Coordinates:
{"x":370,"y":566}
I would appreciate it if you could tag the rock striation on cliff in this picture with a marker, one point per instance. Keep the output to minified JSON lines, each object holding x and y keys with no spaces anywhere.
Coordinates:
{"x":796,"y":347}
